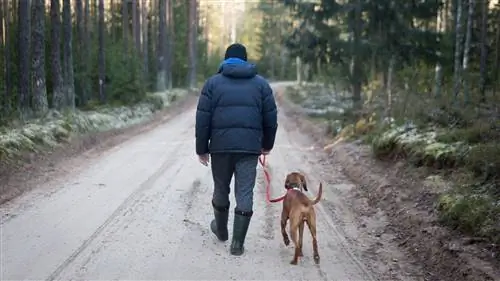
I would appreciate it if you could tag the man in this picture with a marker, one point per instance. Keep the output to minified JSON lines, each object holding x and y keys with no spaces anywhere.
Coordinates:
{"x":236,"y":122}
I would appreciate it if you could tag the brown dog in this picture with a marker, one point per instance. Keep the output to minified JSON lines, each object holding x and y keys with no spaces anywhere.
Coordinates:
{"x":299,"y":209}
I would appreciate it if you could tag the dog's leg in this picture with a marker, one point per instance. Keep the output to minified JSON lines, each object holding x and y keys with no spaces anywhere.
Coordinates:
{"x":284,"y":218}
{"x":294,"y":225}
{"x":301,"y":237}
{"x":311,"y":223}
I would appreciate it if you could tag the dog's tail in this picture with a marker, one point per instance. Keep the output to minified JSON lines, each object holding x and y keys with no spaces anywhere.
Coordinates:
{"x":318,"y":197}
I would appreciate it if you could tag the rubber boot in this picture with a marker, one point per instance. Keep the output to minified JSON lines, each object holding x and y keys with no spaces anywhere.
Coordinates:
{"x":240,"y":228}
{"x":219,"y":224}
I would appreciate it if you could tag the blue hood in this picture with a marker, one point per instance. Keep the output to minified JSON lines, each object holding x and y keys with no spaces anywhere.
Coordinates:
{"x":237,"y":68}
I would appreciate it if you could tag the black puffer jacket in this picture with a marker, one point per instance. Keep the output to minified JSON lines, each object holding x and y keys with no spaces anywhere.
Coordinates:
{"x":236,"y":111}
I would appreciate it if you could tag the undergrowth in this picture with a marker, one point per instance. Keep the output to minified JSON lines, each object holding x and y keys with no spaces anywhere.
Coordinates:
{"x":57,"y":128}
{"x":465,"y":147}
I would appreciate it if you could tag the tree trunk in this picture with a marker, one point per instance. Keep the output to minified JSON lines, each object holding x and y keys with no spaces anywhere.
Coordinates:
{"x":160,"y":80}
{"x":145,"y":46}
{"x":136,"y":25}
{"x":457,"y":75}
{"x":7,"y":57}
{"x":39,"y":101}
{"x":86,"y":48}
{"x":69,"y":77}
{"x":2,"y":41}
{"x":170,"y":44}
{"x":192,"y":21}
{"x":390,"y":76}
{"x":484,"y":49}
{"x":101,"y":59}
{"x":356,"y":59}
{"x":24,"y":58}
{"x":468,"y":38}
{"x":58,"y":101}
{"x":298,"y":64}
{"x":496,"y":71}
{"x":82,"y":81}
{"x":125,"y":25}
{"x":439,"y":69}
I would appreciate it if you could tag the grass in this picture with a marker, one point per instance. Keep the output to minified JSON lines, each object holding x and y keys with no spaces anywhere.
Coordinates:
{"x":470,"y":153}
{"x":57,"y":128}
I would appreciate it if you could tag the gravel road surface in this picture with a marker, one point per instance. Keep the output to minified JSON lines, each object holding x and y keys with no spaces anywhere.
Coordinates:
{"x":141,"y":210}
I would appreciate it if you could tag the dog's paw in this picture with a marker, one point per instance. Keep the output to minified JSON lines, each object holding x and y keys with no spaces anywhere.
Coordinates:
{"x":286,"y":240}
{"x":293,"y":262}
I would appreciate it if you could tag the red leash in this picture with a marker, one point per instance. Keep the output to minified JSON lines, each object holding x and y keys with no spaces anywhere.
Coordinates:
{"x":262,"y":161}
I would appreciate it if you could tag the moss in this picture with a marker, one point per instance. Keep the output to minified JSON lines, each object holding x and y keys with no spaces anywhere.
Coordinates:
{"x":471,"y":212}
{"x":484,"y":160}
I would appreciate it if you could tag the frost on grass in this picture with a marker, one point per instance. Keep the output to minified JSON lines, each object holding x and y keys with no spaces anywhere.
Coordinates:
{"x":473,"y":205}
{"x":421,"y":147}
{"x":56,"y":128}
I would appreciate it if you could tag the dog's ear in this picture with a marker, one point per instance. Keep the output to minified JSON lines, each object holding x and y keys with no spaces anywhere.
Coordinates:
{"x":304,"y":183}
{"x":287,"y":181}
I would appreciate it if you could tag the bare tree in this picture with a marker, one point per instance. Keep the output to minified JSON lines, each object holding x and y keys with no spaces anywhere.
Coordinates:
{"x":24,"y":58}
{"x":58,"y":101}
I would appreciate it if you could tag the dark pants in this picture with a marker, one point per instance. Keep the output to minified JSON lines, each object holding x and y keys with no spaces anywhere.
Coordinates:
{"x":244,"y":168}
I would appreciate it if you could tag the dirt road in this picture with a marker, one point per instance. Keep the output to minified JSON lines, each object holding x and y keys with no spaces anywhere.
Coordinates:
{"x":141,"y":211}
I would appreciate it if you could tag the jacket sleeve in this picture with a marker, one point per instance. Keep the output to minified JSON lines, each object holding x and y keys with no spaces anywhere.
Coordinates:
{"x":269,"y":117}
{"x":203,"y":119}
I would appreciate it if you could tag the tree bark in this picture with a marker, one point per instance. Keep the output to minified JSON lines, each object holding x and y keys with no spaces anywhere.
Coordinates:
{"x":86,"y":44}
{"x":101,"y":58}
{"x":24,"y":58}
{"x":136,"y":25}
{"x":457,"y":75}
{"x":39,"y":101}
{"x":145,"y":45}
{"x":82,"y":81}
{"x":468,"y":39}
{"x":192,"y":32}
{"x":69,"y":77}
{"x":7,"y":57}
{"x":125,"y":25}
{"x":162,"y":63}
{"x":170,"y":38}
{"x":58,"y":100}
{"x":484,"y":49}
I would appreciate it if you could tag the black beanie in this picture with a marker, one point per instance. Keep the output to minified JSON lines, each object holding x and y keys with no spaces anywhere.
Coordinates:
{"x":236,"y":50}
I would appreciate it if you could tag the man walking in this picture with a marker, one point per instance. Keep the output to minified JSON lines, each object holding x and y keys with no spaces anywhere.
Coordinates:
{"x":236,"y":122}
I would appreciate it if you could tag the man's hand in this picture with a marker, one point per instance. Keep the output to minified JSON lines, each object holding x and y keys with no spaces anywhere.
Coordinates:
{"x":265,"y":152}
{"x":204,"y":159}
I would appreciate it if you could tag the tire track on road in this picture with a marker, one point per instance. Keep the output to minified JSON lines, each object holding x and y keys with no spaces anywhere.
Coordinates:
{"x":129,"y":201}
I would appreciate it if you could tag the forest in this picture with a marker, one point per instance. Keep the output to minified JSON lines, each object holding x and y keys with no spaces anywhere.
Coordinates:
{"x":413,"y":80}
